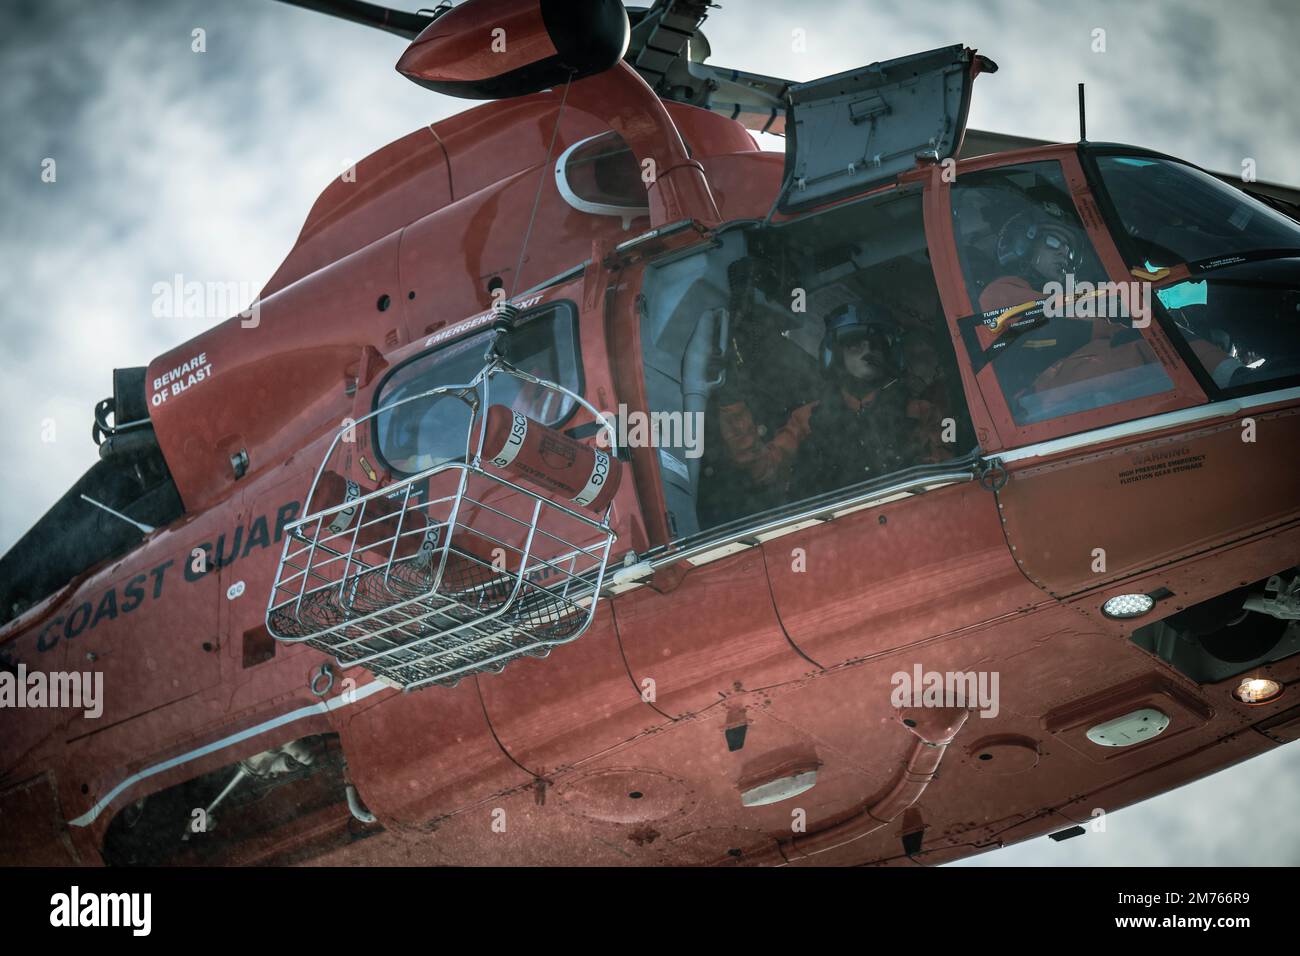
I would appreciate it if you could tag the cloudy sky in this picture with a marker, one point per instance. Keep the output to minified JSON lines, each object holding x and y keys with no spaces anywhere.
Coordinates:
{"x":169,"y":161}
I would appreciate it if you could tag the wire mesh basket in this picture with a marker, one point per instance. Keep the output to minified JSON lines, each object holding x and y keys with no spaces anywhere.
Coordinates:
{"x":453,"y":571}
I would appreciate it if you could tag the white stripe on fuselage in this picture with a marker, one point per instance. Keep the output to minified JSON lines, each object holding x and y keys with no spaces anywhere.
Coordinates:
{"x":323,"y":707}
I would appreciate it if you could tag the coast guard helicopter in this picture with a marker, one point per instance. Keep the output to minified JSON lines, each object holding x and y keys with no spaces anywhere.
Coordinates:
{"x":454,"y":547}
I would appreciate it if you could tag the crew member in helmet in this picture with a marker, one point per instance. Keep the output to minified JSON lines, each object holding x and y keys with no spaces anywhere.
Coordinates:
{"x":864,"y":424}
{"x":1038,"y":247}
{"x":1042,"y":247}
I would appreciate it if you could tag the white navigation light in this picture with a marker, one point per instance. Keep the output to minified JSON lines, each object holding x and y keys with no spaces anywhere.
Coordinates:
{"x":1257,"y":690}
{"x":1123,"y":606}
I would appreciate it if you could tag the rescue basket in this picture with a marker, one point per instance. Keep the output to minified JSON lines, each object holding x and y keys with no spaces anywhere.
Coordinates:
{"x":457,"y":569}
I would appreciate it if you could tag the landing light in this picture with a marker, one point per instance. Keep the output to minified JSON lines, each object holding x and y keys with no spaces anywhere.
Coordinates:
{"x":1257,"y":690}
{"x":1123,"y":606}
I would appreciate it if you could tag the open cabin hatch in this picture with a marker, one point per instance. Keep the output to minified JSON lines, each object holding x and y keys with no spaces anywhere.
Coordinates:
{"x":860,"y":129}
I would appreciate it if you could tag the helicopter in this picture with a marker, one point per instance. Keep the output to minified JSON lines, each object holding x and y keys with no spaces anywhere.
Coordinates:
{"x":451,"y":549}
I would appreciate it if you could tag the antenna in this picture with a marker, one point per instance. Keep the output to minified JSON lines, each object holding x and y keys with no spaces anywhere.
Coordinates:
{"x":1083,"y":119}
{"x":117,"y":514}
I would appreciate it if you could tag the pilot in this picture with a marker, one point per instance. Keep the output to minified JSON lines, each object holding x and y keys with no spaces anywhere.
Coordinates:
{"x":1044,"y":247}
{"x":864,"y":424}
{"x":1040,"y":246}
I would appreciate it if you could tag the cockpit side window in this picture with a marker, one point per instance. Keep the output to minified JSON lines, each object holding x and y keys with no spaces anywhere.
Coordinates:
{"x":1058,"y":333}
{"x":1016,"y":229}
{"x":425,"y":432}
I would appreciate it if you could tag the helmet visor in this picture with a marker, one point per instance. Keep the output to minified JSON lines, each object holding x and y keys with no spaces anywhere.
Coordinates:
{"x":1060,"y":239}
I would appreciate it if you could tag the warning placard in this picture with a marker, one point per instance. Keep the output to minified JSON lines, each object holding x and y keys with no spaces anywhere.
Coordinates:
{"x":1161,"y":464}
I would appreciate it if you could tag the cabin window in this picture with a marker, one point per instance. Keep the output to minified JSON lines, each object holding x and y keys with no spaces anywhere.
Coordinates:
{"x":795,"y":361}
{"x":1058,"y":333}
{"x":425,"y":432}
{"x":1239,"y":313}
{"x":601,"y":176}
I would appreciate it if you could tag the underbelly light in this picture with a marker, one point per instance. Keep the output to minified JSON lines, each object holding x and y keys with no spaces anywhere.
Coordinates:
{"x":1125,"y":606}
{"x":1257,"y":690}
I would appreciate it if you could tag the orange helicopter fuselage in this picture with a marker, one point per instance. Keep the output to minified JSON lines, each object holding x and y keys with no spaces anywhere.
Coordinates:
{"x":770,"y":654}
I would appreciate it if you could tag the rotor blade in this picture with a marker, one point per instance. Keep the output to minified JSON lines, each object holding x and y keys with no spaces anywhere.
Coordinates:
{"x":753,"y":100}
{"x":404,"y":24}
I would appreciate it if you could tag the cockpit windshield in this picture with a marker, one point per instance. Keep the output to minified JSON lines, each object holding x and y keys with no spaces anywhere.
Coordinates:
{"x":1239,"y":311}
{"x":1173,"y":213}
